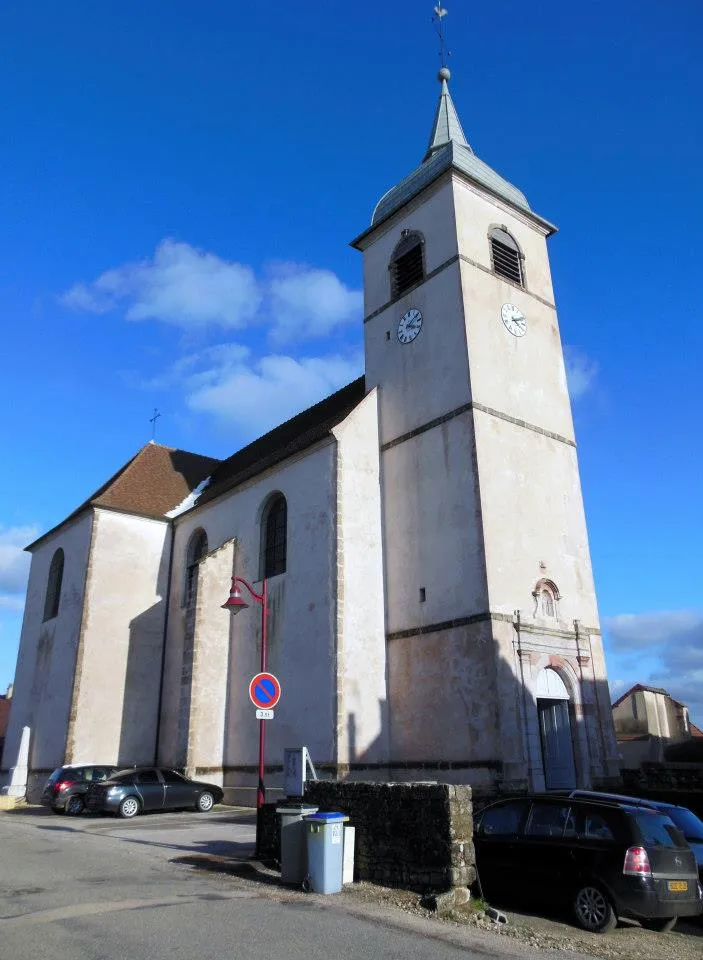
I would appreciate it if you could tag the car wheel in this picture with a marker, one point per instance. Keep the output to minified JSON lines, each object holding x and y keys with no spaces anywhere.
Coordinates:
{"x":74,"y":806}
{"x":659,"y":925}
{"x":205,"y":802}
{"x":593,"y":910}
{"x":129,"y":808}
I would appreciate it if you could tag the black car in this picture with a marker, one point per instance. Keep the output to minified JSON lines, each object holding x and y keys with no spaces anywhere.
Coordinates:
{"x":128,"y":792}
{"x":66,"y":788}
{"x":603,"y":859}
{"x":686,"y":820}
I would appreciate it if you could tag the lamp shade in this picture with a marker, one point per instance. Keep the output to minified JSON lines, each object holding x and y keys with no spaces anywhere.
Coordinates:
{"x":235,"y":601}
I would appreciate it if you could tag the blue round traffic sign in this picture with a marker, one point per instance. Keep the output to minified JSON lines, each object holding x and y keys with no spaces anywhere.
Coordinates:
{"x":264,"y":691}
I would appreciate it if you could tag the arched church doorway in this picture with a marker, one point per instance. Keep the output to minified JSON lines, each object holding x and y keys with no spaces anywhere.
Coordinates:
{"x":555,"y":731}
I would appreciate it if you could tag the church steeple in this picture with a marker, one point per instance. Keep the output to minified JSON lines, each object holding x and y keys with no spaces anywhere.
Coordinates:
{"x":447,"y":126}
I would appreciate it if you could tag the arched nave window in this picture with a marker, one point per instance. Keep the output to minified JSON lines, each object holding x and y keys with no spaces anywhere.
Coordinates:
{"x":274,"y":536}
{"x":197,"y":548}
{"x":53,"y":586}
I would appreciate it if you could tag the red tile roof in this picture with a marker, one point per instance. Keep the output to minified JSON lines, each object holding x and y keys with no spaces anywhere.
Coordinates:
{"x":153,"y":482}
{"x":157,"y":479}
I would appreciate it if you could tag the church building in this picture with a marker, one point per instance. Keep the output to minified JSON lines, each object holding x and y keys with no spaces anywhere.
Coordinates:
{"x":431,"y":612}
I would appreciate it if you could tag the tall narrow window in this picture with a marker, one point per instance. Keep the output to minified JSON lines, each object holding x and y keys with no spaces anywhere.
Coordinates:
{"x":407,"y":264}
{"x":505,"y":255}
{"x":197,"y":548}
{"x":53,"y":586}
{"x":274,"y":536}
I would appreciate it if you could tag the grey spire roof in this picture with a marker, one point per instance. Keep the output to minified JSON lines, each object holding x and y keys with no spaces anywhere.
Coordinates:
{"x":447,"y":125}
{"x":448,"y":148}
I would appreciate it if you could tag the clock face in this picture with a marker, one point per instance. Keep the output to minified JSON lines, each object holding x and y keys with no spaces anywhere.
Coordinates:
{"x":409,"y":325}
{"x":514,"y":319}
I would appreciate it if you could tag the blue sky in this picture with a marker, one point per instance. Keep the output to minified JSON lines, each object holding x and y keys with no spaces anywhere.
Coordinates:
{"x":179,"y":184}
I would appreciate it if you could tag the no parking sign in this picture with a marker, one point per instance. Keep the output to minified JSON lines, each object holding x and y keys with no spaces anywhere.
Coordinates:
{"x":264,"y":691}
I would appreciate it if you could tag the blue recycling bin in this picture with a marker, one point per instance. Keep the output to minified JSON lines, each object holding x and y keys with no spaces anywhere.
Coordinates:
{"x":325,"y":842}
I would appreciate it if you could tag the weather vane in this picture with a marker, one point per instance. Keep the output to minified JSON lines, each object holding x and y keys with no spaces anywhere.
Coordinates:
{"x":152,"y":421}
{"x":438,"y":21}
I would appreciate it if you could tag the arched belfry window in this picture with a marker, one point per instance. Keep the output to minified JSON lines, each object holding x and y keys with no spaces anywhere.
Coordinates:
{"x":53,"y":586}
{"x":546,"y":596}
{"x":274,"y":536}
{"x":505,"y":256}
{"x":407,"y":264}
{"x":197,"y":548}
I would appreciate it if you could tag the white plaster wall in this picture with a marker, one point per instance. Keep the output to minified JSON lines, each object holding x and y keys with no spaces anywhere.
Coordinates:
{"x":437,"y":356}
{"x":444,"y":696}
{"x":362,"y":700}
{"x":302,"y":613}
{"x":476,"y":213}
{"x":532,"y":515}
{"x":120,"y":664}
{"x":433,"y":216}
{"x":211,"y":667}
{"x":47,"y":652}
{"x":433,"y":528}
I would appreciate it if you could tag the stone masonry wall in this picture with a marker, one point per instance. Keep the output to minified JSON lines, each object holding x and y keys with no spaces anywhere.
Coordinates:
{"x":412,"y":835}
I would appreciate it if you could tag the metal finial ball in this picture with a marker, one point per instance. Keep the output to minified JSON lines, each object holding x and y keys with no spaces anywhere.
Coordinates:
{"x":444,"y":74}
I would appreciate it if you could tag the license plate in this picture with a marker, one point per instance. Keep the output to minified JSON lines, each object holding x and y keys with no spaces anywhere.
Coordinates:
{"x":678,"y":886}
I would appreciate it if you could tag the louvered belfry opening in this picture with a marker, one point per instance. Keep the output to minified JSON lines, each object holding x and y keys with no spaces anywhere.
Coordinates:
{"x":506,"y":256}
{"x":407,"y":265}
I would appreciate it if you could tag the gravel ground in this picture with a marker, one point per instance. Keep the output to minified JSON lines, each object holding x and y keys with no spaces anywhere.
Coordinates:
{"x":628,"y":941}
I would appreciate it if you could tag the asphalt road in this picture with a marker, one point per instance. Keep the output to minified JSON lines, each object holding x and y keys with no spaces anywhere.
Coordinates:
{"x":98,"y":888}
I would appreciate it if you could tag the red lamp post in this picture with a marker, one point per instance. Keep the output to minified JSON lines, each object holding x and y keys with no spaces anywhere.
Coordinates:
{"x":234,"y":603}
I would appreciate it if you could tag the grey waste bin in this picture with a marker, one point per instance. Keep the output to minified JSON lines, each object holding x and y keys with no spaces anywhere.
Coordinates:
{"x":294,"y":861}
{"x":325,"y":841}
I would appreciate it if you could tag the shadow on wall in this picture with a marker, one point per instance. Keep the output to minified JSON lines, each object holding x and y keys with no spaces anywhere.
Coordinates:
{"x":485,"y":725}
{"x":140,"y":705}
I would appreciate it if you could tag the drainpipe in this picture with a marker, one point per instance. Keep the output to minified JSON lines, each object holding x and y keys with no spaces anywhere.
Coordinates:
{"x":516,"y":624}
{"x":157,"y":735}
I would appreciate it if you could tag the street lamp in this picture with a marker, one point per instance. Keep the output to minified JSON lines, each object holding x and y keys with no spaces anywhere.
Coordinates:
{"x":234,"y":603}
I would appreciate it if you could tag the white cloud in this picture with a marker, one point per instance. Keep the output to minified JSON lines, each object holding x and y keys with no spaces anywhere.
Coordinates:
{"x":14,"y":564}
{"x":581,"y":372}
{"x":179,"y":285}
{"x":309,"y":300}
{"x":192,"y":288}
{"x":662,"y":649}
{"x":629,"y":631}
{"x":256,"y":395}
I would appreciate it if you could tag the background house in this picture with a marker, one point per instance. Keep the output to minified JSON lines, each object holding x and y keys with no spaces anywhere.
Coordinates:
{"x":648,"y":721}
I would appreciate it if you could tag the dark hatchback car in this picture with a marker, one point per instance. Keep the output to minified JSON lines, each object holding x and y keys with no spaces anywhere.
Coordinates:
{"x":690,"y":825}
{"x":66,"y":788}
{"x":604,"y":860}
{"x":129,"y":792}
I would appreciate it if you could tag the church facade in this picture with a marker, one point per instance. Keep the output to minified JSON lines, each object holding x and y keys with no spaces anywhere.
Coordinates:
{"x":431,"y":607}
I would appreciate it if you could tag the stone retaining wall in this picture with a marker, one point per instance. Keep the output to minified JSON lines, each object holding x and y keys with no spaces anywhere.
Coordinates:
{"x":414,"y":835}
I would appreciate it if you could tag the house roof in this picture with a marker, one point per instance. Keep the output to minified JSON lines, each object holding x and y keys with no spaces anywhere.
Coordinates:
{"x":153,"y":482}
{"x":695,"y":731}
{"x":289,"y":438}
{"x":158,"y":479}
{"x":644,"y":687}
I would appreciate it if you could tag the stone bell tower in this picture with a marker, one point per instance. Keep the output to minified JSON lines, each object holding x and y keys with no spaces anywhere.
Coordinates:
{"x":496,"y":670}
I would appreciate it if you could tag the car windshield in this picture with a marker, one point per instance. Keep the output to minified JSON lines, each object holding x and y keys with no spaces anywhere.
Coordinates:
{"x":657,"y":830}
{"x":687,"y":822}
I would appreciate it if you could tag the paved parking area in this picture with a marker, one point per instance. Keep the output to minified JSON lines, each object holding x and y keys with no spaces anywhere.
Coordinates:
{"x":223,"y":832}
